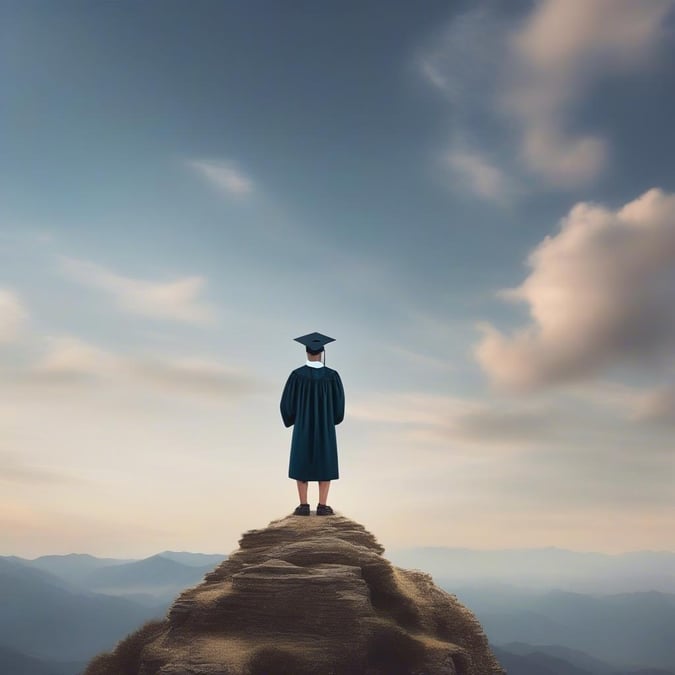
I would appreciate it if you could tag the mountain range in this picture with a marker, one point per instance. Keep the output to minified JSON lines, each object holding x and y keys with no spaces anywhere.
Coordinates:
{"x":58,"y":611}
{"x":625,"y":629}
{"x":546,"y":568}
{"x":67,"y":608}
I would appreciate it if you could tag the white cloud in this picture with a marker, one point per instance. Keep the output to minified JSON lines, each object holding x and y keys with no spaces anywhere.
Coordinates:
{"x":526,"y":75}
{"x":69,"y":357}
{"x":601,"y":292}
{"x":479,"y":175}
{"x":225,"y":176}
{"x":561,"y":48}
{"x":176,"y":300}
{"x":13,"y":315}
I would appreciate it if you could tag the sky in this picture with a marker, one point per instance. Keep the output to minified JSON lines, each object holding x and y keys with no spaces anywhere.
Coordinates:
{"x":475,"y":199}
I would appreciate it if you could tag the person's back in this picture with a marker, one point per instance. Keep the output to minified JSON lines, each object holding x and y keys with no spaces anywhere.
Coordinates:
{"x":313,"y":402}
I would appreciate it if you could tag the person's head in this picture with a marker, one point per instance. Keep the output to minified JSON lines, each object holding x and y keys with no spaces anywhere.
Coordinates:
{"x":314,"y":354}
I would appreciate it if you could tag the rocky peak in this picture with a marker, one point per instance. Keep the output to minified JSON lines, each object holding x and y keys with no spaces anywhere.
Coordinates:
{"x":308,"y":596}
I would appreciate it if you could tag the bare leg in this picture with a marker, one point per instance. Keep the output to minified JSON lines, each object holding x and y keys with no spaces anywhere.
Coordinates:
{"x":324,"y":486}
{"x":302,"y":491}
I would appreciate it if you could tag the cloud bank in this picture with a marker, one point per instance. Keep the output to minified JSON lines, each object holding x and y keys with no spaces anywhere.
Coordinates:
{"x":600,"y":293}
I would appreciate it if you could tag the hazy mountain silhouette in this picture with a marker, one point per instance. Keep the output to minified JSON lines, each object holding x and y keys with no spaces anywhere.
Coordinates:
{"x":23,"y":572}
{"x":73,"y":566}
{"x":41,"y":615}
{"x":307,"y":596}
{"x":157,"y":575}
{"x":528,"y":624}
{"x":194,"y":559}
{"x":545,"y":568}
{"x":13,"y":662}
{"x":574,"y":656}
{"x":621,"y":629}
{"x":537,"y":663}
{"x":152,"y":581}
{"x":524,"y":659}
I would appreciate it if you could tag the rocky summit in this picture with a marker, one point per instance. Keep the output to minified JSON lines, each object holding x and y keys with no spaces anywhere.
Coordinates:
{"x":308,"y":596}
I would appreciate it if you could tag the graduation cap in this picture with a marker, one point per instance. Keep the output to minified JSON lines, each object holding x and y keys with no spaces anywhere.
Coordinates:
{"x":314,"y":342}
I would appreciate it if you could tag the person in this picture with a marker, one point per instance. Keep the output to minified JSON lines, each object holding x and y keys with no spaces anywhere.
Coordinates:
{"x":313,"y":403}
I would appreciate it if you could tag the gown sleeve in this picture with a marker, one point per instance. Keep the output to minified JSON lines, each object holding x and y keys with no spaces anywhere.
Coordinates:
{"x":288,"y":404}
{"x":338,"y":400}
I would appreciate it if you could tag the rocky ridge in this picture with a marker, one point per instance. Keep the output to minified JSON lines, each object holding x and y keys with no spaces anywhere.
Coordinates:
{"x":308,"y":596}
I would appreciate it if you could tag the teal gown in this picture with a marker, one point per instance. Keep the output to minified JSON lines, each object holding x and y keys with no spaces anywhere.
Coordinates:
{"x":313,"y":402}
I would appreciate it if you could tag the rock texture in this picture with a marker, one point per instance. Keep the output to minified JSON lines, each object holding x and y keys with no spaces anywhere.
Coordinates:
{"x":308,"y":596}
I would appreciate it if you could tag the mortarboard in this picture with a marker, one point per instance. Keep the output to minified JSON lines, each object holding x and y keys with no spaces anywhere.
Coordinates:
{"x":314,"y":342}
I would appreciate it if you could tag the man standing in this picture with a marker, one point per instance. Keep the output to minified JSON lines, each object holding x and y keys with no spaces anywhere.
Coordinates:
{"x":313,"y":402}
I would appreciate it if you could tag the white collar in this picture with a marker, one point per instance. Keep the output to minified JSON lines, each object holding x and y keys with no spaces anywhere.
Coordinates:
{"x":314,"y":364}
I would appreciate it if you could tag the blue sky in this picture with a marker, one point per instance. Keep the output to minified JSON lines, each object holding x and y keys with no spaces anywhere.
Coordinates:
{"x":475,"y":199}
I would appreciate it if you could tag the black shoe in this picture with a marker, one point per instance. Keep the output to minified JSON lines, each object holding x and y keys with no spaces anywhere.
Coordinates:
{"x":302,"y":510}
{"x":324,"y":510}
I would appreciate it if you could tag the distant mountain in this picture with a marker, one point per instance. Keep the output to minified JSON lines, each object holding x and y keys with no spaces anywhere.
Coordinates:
{"x":73,"y":566}
{"x":524,"y":659}
{"x":623,"y":629}
{"x":574,"y":656}
{"x":194,"y":559}
{"x":599,"y":634}
{"x":546,"y":568}
{"x":156,"y":576}
{"x":13,"y":662}
{"x":22,"y":569}
{"x":536,"y":663}
{"x":16,"y":663}
{"x":42,"y":616}
{"x":150,"y":581}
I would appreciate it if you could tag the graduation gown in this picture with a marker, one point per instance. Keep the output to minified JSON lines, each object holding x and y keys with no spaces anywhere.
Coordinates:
{"x":313,"y":402}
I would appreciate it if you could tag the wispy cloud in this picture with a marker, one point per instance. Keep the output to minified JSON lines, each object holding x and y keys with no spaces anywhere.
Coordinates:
{"x":69,"y":360}
{"x":13,"y":315}
{"x":528,"y":74}
{"x":223,"y":175}
{"x":199,"y":375}
{"x":479,"y":175}
{"x":600,"y":293}
{"x":176,"y":300}
{"x":14,"y":470}
{"x":446,"y":419}
{"x":416,"y":358}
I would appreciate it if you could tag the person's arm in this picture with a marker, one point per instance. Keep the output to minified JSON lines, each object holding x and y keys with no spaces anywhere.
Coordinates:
{"x":338,"y":400}
{"x":287,"y":405}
